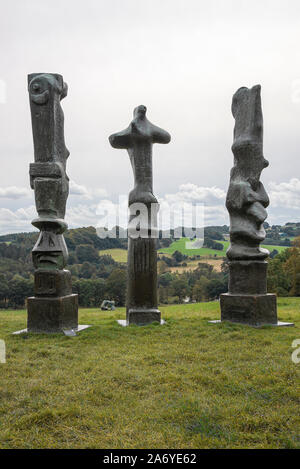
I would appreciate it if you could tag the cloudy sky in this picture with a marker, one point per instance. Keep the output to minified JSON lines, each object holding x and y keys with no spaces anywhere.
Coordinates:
{"x":183,"y":59}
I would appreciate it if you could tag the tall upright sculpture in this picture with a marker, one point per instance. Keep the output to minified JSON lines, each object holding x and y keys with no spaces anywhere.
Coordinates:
{"x":247,"y":300}
{"x":138,"y":139}
{"x":53,"y":308}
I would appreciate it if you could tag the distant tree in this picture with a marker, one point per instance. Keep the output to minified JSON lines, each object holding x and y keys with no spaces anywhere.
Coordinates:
{"x":165,"y":279}
{"x":72,"y":259}
{"x":273,"y":253}
{"x":199,"y":292}
{"x":86,"y":292}
{"x":87,"y":270}
{"x":279,"y":279}
{"x":163,"y":295}
{"x":4,"y":290}
{"x":292,"y":267}
{"x":178,"y":256}
{"x":180,"y":287}
{"x":215,"y":287}
{"x":100,"y":290}
{"x":211,"y":244}
{"x":19,"y":289}
{"x":86,"y":252}
{"x":106,"y":259}
{"x":162,"y":267}
{"x":116,"y":286}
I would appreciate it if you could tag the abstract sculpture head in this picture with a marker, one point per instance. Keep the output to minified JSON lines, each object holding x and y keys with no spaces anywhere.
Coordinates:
{"x":140,"y":130}
{"x":246,"y":198}
{"x":248,"y":133}
{"x":48,"y":175}
{"x":138,"y":139}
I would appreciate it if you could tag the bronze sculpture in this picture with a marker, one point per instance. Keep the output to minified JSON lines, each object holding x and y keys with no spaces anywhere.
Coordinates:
{"x":247,"y":300}
{"x":53,"y":308}
{"x":138,"y":139}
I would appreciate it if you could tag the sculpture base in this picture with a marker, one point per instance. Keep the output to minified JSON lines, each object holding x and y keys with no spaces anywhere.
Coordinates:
{"x":142,"y":317}
{"x":124,"y":323}
{"x":254,"y":310}
{"x":68,"y":332}
{"x":50,"y":315}
{"x":278,"y":324}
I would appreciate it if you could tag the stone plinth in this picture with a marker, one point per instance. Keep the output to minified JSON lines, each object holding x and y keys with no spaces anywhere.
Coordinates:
{"x":247,"y":301}
{"x":254,"y":310}
{"x":143,"y":317}
{"x":50,"y":315}
{"x":142,"y":282}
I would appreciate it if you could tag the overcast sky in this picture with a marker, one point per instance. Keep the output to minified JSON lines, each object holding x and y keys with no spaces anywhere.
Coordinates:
{"x":183,"y":59}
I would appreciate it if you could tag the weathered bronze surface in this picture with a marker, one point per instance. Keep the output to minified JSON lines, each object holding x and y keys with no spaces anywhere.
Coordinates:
{"x":247,"y":300}
{"x":54,"y":307}
{"x":138,"y":139}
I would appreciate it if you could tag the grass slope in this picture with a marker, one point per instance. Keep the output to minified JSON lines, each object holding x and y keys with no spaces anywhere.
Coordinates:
{"x":187,"y":384}
{"x":179,"y":245}
{"x":118,"y":255}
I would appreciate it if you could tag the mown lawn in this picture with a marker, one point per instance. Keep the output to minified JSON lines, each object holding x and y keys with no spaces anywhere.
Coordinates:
{"x":187,"y":384}
{"x":179,"y":245}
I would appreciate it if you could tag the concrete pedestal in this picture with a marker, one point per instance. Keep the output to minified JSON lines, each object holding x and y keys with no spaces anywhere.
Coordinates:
{"x":254,"y":310}
{"x":247,"y":301}
{"x":68,"y":332}
{"x":142,"y":317}
{"x":52,"y":314}
{"x":141,"y":298}
{"x":124,"y":323}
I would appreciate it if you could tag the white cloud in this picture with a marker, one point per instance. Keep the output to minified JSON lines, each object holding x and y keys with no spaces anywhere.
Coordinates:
{"x":285,"y":194}
{"x":99,"y":193}
{"x":284,"y":206}
{"x":14,"y":192}
{"x":107,"y":211}
{"x":83,"y":191}
{"x":77,"y":189}
{"x":211,"y":198}
{"x":192,"y":193}
{"x":81,"y":215}
{"x":16,"y":221}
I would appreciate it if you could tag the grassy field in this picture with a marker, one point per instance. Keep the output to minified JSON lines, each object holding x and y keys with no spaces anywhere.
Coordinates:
{"x":118,"y":255}
{"x":192,"y":265}
{"x":187,"y":384}
{"x":179,"y":245}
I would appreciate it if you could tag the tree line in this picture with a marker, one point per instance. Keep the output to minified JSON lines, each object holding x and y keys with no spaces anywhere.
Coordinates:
{"x":97,"y":277}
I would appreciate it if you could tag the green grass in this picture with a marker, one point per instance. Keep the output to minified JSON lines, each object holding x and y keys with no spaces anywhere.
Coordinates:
{"x":179,"y":245}
{"x":118,"y":255}
{"x":187,"y":384}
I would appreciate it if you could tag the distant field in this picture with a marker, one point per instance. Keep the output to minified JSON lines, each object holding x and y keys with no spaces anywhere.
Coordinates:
{"x":118,"y":255}
{"x":179,"y":245}
{"x":192,"y":265}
